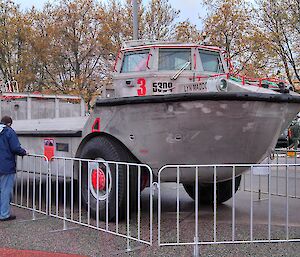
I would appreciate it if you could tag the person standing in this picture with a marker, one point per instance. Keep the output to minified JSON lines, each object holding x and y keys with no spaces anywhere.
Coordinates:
{"x":295,"y":134}
{"x":9,"y":148}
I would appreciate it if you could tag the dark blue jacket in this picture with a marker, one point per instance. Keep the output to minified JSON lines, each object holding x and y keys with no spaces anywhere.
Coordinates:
{"x":9,"y":148}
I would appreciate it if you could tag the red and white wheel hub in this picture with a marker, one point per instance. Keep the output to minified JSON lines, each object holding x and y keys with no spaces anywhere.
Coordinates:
{"x":98,"y":179}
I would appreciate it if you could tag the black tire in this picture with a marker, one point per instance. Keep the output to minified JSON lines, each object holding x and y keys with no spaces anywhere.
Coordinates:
{"x":108,"y":149}
{"x":206,"y":191}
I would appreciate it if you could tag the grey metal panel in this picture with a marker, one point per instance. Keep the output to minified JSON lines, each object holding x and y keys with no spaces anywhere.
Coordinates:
{"x":198,"y":132}
{"x":69,"y":109}
{"x":15,"y":109}
{"x":59,"y":125}
{"x":40,"y":107}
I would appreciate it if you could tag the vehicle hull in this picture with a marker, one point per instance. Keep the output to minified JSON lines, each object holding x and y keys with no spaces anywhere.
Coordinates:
{"x":238,"y":128}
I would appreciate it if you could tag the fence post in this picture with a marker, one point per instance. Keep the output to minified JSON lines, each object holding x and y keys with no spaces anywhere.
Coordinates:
{"x":196,"y":238}
{"x":48,"y":191}
{"x":196,"y":247}
{"x":127,"y":211}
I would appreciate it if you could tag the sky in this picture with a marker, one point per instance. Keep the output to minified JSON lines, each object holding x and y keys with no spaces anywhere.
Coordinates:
{"x":190,"y":9}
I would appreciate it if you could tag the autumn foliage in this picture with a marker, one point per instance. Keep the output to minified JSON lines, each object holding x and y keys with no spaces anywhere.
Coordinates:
{"x":67,"y":46}
{"x":262,"y":40}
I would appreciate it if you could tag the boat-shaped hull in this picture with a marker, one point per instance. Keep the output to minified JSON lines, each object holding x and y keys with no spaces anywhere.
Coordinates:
{"x":209,"y":128}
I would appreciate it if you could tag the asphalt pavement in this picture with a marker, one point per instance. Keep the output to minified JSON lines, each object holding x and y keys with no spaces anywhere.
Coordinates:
{"x":46,"y":234}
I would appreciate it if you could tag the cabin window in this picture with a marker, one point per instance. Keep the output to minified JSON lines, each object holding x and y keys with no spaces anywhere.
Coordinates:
{"x":174,"y":59}
{"x":135,"y":61}
{"x":211,"y":61}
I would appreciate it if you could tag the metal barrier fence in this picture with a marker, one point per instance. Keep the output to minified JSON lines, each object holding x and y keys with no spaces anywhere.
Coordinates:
{"x":99,"y":194}
{"x":270,"y":223}
{"x":31,"y":184}
{"x":119,"y":209}
{"x":81,"y":191}
{"x":262,"y":187}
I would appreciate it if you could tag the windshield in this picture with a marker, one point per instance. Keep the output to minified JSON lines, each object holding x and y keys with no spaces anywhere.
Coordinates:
{"x":174,"y":59}
{"x":211,"y":61}
{"x":135,"y":61}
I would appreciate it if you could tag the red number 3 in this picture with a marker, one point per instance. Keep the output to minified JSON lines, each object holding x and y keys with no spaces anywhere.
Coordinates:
{"x":142,"y":90}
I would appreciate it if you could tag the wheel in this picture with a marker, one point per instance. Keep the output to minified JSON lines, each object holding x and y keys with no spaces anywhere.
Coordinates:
{"x":105,"y":149}
{"x":206,"y":191}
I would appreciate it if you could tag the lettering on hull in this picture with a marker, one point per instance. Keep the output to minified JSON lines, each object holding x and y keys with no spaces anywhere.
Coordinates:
{"x":196,"y":87}
{"x":162,"y":87}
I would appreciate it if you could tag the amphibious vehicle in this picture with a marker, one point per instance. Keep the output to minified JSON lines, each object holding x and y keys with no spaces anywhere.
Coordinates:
{"x":173,"y":103}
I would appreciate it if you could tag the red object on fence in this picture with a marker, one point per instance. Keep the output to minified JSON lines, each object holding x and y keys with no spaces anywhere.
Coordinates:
{"x":49,"y":148}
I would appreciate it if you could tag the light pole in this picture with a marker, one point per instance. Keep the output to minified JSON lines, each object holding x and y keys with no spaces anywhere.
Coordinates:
{"x":135,"y":20}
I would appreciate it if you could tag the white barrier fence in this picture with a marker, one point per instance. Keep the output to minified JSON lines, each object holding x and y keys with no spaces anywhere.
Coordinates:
{"x":98,"y":194}
{"x":117,"y":186}
{"x":207,"y":231}
{"x":262,"y":187}
{"x":106,"y":196}
{"x":31,"y":184}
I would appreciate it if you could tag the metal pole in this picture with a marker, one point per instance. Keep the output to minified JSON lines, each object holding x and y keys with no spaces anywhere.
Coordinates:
{"x":139,"y":202}
{"x":177,"y":204}
{"x":287,"y":203}
{"x":158,"y":208}
{"x":82,"y":108}
{"x":33,"y":189}
{"x":251,"y":204}
{"x":79,"y":196}
{"x":56,"y":115}
{"x":135,"y":20}
{"x":29,"y":108}
{"x":269,"y":206}
{"x":72,"y":190}
{"x":65,"y":196}
{"x":128,"y":212}
{"x":106,"y":200}
{"x":196,"y":238}
{"x":16,"y":184}
{"x":40,"y":187}
{"x":233,"y":203}
{"x":215,"y":203}
{"x":22,"y":170}
{"x":57,"y":204}
{"x":28,"y":185}
{"x":117,"y":198}
{"x":48,"y":188}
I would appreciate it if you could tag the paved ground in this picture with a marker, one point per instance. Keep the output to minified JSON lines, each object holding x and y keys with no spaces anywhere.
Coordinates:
{"x":39,"y":235}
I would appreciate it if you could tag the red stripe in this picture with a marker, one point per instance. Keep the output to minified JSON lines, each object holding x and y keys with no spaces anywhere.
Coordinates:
{"x":6,"y":252}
